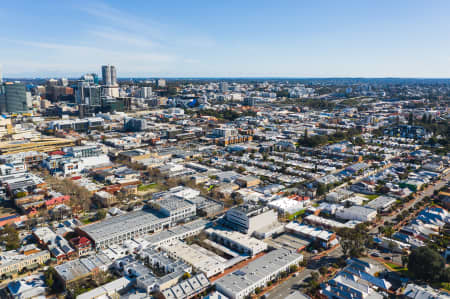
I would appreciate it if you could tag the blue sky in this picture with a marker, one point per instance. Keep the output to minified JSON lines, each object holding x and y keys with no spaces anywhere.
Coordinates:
{"x":400,"y":38}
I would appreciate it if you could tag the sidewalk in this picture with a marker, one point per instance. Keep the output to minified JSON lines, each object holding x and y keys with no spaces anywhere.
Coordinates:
{"x":236,"y":267}
{"x":276,"y":284}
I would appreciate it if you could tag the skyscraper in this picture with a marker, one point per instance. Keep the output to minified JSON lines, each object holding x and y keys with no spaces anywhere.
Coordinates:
{"x":113,"y":75}
{"x":223,"y":86}
{"x":109,"y":75}
{"x":1,"y":77}
{"x":88,"y":94}
{"x":13,"y":97}
{"x":161,"y":83}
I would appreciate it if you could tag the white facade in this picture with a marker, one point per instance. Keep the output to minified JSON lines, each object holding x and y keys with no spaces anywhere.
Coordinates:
{"x":258,"y":273}
{"x":357,"y":213}
{"x":197,"y":259}
{"x":237,"y":241}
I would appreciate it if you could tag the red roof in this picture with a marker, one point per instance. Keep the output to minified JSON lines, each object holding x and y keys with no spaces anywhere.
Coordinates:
{"x":80,"y":241}
{"x":57,"y":200}
{"x":57,"y":153}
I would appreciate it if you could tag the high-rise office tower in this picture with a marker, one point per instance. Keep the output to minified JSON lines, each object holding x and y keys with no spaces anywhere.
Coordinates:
{"x":63,"y":82}
{"x":14,"y":98}
{"x":109,"y":75}
{"x":145,"y":92}
{"x":88,"y":94}
{"x":113,"y":75}
{"x":223,"y":86}
{"x":106,"y":74}
{"x":161,"y":83}
{"x":1,"y":77}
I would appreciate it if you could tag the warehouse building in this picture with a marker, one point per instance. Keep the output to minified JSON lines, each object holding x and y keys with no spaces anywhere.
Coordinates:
{"x":173,"y":234}
{"x":175,"y":208}
{"x":84,"y":268}
{"x":381,"y":203}
{"x":116,"y":230}
{"x":204,"y":263}
{"x":257,"y":273}
{"x":237,"y":241}
{"x":357,"y":213}
{"x":325,"y":238}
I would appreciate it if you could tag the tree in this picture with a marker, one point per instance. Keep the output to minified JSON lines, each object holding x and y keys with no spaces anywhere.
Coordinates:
{"x":186,"y":275}
{"x":10,"y":237}
{"x":321,"y":189}
{"x":101,"y":214}
{"x":445,"y":275}
{"x":315,"y":276}
{"x":21,"y":194}
{"x":323,"y":270}
{"x":293,"y":268}
{"x":426,"y":264}
{"x":389,"y":231}
{"x":241,"y":169}
{"x":49,"y":278}
{"x":354,"y":241}
{"x":410,"y":119}
{"x":358,"y":141}
{"x":313,"y":283}
{"x":404,"y":260}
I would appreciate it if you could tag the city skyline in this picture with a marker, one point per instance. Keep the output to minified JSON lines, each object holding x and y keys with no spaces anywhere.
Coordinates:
{"x":253,"y":39}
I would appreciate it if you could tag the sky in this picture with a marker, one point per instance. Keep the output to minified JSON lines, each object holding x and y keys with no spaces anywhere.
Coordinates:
{"x":246,"y":38}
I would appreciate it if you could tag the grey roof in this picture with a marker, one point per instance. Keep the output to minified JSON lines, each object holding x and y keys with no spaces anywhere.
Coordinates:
{"x":175,"y":231}
{"x":257,"y":270}
{"x":381,"y":202}
{"x":188,"y":287}
{"x":119,"y":225}
{"x":297,"y":295}
{"x":173,"y":203}
{"x":417,"y":292}
{"x":81,"y":267}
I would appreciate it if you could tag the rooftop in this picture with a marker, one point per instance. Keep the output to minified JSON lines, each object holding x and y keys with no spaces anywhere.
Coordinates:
{"x":119,"y":224}
{"x":258,"y":270}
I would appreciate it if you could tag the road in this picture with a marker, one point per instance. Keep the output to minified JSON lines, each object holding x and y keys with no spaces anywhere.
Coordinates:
{"x":294,"y":283}
{"x":418,"y":198}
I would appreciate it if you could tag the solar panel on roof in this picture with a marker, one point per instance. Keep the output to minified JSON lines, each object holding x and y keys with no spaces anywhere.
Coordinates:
{"x":239,"y":272}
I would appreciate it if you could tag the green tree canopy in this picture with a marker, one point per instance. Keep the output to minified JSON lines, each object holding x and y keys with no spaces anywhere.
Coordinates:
{"x":10,"y":237}
{"x":426,"y":264}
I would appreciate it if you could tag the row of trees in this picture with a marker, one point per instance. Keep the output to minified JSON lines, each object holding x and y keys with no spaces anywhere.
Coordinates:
{"x":79,"y":196}
{"x":228,"y":114}
{"x":317,"y":140}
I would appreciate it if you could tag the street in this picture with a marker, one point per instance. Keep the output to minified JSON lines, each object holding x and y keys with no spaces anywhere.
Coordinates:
{"x":418,"y":198}
{"x":294,"y":283}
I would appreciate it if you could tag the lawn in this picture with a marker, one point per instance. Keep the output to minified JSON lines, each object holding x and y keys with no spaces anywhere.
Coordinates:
{"x":371,"y":196}
{"x":396,"y":267}
{"x":148,"y":187}
{"x":86,"y":220}
{"x":399,"y":269}
{"x":445,"y":286}
{"x":296,"y":214}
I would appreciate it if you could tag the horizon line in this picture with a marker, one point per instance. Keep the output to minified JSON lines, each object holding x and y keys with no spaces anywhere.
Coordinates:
{"x":236,"y":77}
